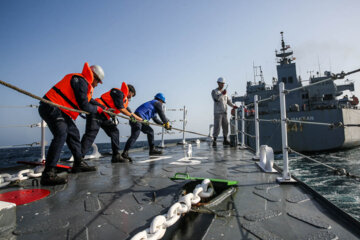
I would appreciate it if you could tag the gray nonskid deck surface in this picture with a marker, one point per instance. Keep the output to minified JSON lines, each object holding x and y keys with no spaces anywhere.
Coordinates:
{"x":120,"y":200}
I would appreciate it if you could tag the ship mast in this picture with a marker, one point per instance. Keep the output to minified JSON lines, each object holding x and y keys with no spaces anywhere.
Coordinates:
{"x":285,"y":53}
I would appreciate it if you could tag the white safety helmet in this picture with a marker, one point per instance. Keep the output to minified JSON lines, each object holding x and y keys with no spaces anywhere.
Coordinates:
{"x":221,"y":80}
{"x":98,"y":71}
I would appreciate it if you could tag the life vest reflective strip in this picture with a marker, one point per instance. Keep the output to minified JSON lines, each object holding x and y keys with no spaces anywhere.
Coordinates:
{"x":63,"y":94}
{"x":107,"y":100}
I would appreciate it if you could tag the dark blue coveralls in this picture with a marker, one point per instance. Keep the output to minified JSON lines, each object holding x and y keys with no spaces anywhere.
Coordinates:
{"x":62,"y":126}
{"x":146,"y":111}
{"x":96,"y":121}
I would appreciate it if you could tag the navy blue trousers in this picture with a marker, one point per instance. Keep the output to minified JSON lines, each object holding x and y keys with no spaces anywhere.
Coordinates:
{"x":93,"y":124}
{"x":64,"y":130}
{"x":135,"y":132}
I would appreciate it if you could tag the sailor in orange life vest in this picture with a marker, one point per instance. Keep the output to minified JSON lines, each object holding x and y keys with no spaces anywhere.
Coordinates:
{"x":117,"y":101}
{"x":73,"y":91}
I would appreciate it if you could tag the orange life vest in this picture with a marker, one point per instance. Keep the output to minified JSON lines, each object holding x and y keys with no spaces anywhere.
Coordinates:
{"x":106,"y":99}
{"x":63,"y":94}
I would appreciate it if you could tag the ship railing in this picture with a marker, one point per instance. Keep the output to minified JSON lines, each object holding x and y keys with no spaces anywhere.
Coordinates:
{"x":43,"y":125}
{"x":183,"y":120}
{"x":286,"y":176}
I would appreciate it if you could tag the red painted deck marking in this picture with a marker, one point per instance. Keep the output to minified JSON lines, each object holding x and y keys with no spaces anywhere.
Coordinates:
{"x":40,"y":163}
{"x":24,"y":196}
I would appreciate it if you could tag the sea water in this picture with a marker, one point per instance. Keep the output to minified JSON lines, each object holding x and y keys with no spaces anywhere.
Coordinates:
{"x":342,"y":191}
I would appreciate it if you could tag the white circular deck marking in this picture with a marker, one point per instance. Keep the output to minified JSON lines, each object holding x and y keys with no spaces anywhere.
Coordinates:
{"x":154,"y":159}
{"x":188,"y":161}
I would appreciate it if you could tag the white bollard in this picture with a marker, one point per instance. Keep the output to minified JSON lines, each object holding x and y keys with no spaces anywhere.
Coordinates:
{"x":211,"y":126}
{"x":95,"y":154}
{"x":262,"y":162}
{"x":286,"y":174}
{"x":189,"y":152}
{"x":266,"y":159}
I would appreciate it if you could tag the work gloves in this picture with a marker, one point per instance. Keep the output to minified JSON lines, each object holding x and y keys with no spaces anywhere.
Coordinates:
{"x":146,"y":122}
{"x":132,"y":119}
{"x":167,"y":126}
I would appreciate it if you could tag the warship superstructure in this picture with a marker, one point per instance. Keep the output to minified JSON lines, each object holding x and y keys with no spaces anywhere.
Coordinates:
{"x":324,"y":103}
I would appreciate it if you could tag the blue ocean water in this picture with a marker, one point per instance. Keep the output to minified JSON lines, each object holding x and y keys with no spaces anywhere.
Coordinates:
{"x":342,"y":191}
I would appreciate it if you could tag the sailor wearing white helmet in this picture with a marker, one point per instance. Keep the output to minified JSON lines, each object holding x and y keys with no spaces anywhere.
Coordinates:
{"x":221,"y":100}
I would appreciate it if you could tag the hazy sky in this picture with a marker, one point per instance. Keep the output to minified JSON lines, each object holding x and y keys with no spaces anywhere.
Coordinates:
{"x":179,"y":48}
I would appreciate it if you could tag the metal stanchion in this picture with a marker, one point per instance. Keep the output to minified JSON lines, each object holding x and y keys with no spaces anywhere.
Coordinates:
{"x":162,"y":145}
{"x":236,"y":127}
{"x":243,"y":125}
{"x":286,"y":174}
{"x":43,"y":125}
{"x":184,"y":124}
{"x":257,"y":131}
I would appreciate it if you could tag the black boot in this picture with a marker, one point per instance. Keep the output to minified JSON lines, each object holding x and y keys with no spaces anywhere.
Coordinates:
{"x":50,"y":178}
{"x":82,"y":166}
{"x":226,"y":142}
{"x":214,"y":142}
{"x":118,"y":158}
{"x":126,"y":156}
{"x":154,"y":152}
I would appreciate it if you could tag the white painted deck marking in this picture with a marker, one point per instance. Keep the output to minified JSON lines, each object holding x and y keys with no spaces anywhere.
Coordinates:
{"x":154,"y":159}
{"x":188,"y":161}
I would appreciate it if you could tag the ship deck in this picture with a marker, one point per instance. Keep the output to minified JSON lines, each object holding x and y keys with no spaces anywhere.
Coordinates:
{"x":120,"y":200}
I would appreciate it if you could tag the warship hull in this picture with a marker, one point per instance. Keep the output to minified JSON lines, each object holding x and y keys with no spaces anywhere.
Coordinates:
{"x":308,"y":137}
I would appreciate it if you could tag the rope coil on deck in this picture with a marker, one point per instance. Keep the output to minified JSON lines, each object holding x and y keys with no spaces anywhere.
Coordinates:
{"x":159,"y":224}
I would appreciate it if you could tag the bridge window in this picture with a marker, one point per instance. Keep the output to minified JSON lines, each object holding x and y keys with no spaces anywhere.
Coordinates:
{"x":283,"y":79}
{"x":328,"y":97}
{"x":290,"y":80}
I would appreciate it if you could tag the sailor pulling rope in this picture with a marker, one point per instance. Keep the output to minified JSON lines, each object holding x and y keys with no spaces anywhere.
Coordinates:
{"x":84,"y":112}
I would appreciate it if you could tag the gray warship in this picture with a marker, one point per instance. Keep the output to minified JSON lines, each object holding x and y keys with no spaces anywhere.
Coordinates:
{"x":323,"y":103}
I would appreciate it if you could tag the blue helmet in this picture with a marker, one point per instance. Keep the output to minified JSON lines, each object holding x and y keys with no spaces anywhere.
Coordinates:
{"x":160,"y":96}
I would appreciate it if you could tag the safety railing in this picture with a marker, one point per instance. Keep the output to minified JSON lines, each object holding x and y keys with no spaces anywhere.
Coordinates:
{"x":286,"y":176}
{"x":183,"y":120}
{"x":6,"y":179}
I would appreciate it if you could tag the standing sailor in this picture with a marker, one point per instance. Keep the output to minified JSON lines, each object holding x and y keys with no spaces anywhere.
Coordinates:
{"x":221,"y":100}
{"x":73,"y":91}
{"x":117,"y":100}
{"x":147,"y":111}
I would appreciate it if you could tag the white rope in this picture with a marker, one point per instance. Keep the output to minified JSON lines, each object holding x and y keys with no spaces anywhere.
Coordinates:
{"x":27,"y":106}
{"x":159,"y":224}
{"x":16,"y":126}
{"x":253,"y":136}
{"x":269,"y":120}
{"x":313,"y":123}
{"x":19,"y":145}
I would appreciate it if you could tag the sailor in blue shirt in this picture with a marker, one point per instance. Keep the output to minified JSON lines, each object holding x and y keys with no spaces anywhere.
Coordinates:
{"x":147,"y":111}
